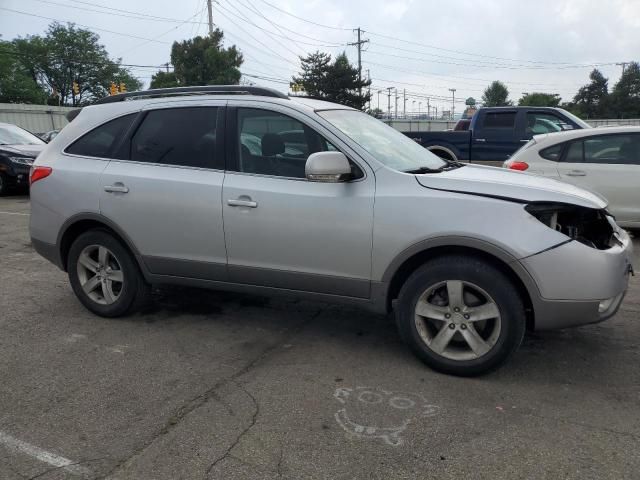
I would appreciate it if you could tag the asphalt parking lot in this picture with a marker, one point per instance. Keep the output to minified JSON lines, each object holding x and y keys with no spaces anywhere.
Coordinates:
{"x":227,"y":386}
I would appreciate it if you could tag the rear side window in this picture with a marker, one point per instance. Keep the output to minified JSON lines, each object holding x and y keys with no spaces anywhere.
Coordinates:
{"x":178,"y":136}
{"x":101,"y":141}
{"x":552,"y":153}
{"x":574,"y":152}
{"x":502,"y":120}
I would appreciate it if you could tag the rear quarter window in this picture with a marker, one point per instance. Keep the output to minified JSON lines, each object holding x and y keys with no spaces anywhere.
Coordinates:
{"x":552,"y":153}
{"x":102,"y":141}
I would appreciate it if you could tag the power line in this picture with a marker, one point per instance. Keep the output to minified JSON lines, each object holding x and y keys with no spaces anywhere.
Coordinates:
{"x":82,"y":25}
{"x":304,"y":19}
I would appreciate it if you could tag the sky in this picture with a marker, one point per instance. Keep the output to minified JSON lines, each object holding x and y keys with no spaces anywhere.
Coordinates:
{"x":421,"y":48}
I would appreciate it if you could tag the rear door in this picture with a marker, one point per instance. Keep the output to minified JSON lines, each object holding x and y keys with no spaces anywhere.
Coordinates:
{"x":494,"y":136}
{"x":608,"y":164}
{"x":164,"y":189}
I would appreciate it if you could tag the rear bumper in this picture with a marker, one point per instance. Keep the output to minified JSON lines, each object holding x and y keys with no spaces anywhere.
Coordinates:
{"x":49,"y":251}
{"x":579,"y":285}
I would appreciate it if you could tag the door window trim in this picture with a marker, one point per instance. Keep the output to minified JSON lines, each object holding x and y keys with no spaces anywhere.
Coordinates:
{"x":232,"y":164}
{"x":124,"y":147}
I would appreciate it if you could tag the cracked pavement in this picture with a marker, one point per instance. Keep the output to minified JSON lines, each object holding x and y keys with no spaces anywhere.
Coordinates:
{"x":210,"y":385}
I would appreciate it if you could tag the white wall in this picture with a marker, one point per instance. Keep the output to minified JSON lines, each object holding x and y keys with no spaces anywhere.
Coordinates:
{"x":35,"y":118}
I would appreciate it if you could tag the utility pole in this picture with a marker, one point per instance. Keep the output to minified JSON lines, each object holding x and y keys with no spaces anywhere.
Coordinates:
{"x":369,"y":88}
{"x":404,"y":109}
{"x":210,"y":10}
{"x":623,"y":65}
{"x":428,"y":109}
{"x":453,"y":101}
{"x":396,"y":113}
{"x":166,"y":65}
{"x":389,"y":102}
{"x":358,"y":44}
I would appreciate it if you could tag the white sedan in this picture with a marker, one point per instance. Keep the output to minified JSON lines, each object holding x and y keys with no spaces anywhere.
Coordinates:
{"x":604,"y":160}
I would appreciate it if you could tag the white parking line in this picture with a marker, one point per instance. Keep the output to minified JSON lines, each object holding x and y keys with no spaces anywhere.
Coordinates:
{"x":16,"y":213}
{"x":42,"y":455}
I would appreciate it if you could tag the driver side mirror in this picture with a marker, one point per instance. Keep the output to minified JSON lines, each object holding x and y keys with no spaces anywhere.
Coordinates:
{"x":328,"y":167}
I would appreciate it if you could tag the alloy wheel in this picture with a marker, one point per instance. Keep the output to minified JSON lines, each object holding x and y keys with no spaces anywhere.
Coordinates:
{"x":457,"y":320}
{"x":100,"y":274}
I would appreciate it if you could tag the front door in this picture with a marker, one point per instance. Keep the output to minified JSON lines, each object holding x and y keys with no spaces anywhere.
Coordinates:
{"x":165,"y":191}
{"x":282,"y":230}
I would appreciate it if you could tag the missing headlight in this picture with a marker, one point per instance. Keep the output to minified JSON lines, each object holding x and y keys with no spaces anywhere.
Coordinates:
{"x":585,"y":225}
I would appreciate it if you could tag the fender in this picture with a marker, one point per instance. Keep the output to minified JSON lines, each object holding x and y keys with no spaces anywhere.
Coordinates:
{"x":382,"y":289}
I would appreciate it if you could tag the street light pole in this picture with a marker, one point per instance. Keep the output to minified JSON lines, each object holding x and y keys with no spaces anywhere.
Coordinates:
{"x":453,"y":101}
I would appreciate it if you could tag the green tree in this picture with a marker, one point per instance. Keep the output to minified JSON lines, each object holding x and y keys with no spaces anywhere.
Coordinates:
{"x":538,"y":99}
{"x":315,"y":71}
{"x":626,"y":93}
{"x":164,"y":80}
{"x":592,"y":100}
{"x":201,"y":61}
{"x":67,"y":54}
{"x":496,"y":95}
{"x":16,"y":83}
{"x":335,"y":82}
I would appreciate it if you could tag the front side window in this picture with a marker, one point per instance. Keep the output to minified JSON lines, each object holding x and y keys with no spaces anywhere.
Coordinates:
{"x":101,"y":141}
{"x":271,"y":143}
{"x":178,"y":136}
{"x":499,"y":120}
{"x":382,"y":142}
{"x":539,"y":123}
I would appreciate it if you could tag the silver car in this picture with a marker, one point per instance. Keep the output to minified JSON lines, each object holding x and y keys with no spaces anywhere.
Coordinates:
{"x":199,"y":186}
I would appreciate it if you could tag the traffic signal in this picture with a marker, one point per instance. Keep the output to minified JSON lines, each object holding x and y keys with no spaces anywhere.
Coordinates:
{"x":113,"y":89}
{"x":75,"y":87}
{"x":123,"y":87}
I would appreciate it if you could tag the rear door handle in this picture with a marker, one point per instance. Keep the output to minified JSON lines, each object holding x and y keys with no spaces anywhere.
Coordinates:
{"x":576,"y":173}
{"x":242,"y":203}
{"x":524,"y":140}
{"x":481,"y":139}
{"x":116,"y":188}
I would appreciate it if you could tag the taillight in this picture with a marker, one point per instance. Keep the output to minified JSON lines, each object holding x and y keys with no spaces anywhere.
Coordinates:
{"x":522,"y":166}
{"x":38,"y":173}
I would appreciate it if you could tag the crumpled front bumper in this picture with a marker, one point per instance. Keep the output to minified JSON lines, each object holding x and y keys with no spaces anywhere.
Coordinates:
{"x":577,"y":284}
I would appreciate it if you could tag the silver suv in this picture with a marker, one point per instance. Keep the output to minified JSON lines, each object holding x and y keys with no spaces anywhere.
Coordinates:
{"x":246,"y":189}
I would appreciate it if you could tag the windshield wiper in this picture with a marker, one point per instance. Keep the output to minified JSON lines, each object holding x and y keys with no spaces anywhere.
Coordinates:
{"x":425,"y":170}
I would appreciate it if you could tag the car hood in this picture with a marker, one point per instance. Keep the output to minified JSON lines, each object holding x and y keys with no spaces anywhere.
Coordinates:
{"x":510,"y":185}
{"x":26,"y":150}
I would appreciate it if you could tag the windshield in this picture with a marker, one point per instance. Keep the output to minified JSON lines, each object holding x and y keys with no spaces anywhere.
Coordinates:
{"x":577,"y":120}
{"x":12,"y":135}
{"x":384,"y":143}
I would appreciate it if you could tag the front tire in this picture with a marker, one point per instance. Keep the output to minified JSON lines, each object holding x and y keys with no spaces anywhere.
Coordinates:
{"x":104,"y":275}
{"x":461,"y":315}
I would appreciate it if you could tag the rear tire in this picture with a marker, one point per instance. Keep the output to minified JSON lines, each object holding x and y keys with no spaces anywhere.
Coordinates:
{"x":461,"y":315}
{"x":105,"y":276}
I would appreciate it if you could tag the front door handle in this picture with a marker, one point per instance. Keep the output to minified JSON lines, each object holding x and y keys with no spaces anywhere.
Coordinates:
{"x":116,"y":188}
{"x":576,"y":173}
{"x":524,"y":140}
{"x":242,"y":203}
{"x":481,"y":139}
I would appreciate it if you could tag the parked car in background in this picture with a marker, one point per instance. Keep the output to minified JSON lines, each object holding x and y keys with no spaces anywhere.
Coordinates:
{"x":246,"y":189}
{"x":604,"y":160}
{"x":18,"y":150}
{"x":50,"y":135}
{"x":495,"y":133}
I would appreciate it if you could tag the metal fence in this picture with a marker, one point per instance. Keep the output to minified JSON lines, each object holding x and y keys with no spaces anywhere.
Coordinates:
{"x":35,"y":118}
{"x":613,"y":122}
{"x":421,"y":125}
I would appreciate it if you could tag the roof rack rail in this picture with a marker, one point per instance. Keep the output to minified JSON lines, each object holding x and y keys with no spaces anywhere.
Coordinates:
{"x":203,"y":90}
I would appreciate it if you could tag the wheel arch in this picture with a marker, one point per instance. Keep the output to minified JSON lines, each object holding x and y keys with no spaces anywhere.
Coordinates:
{"x":78,"y":224}
{"x":415,"y":256}
{"x":449,"y":153}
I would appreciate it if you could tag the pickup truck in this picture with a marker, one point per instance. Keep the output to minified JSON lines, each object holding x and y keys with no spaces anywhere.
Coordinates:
{"x":496,"y":133}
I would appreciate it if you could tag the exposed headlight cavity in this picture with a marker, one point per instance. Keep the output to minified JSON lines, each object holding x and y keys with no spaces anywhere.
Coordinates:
{"x":589,"y":226}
